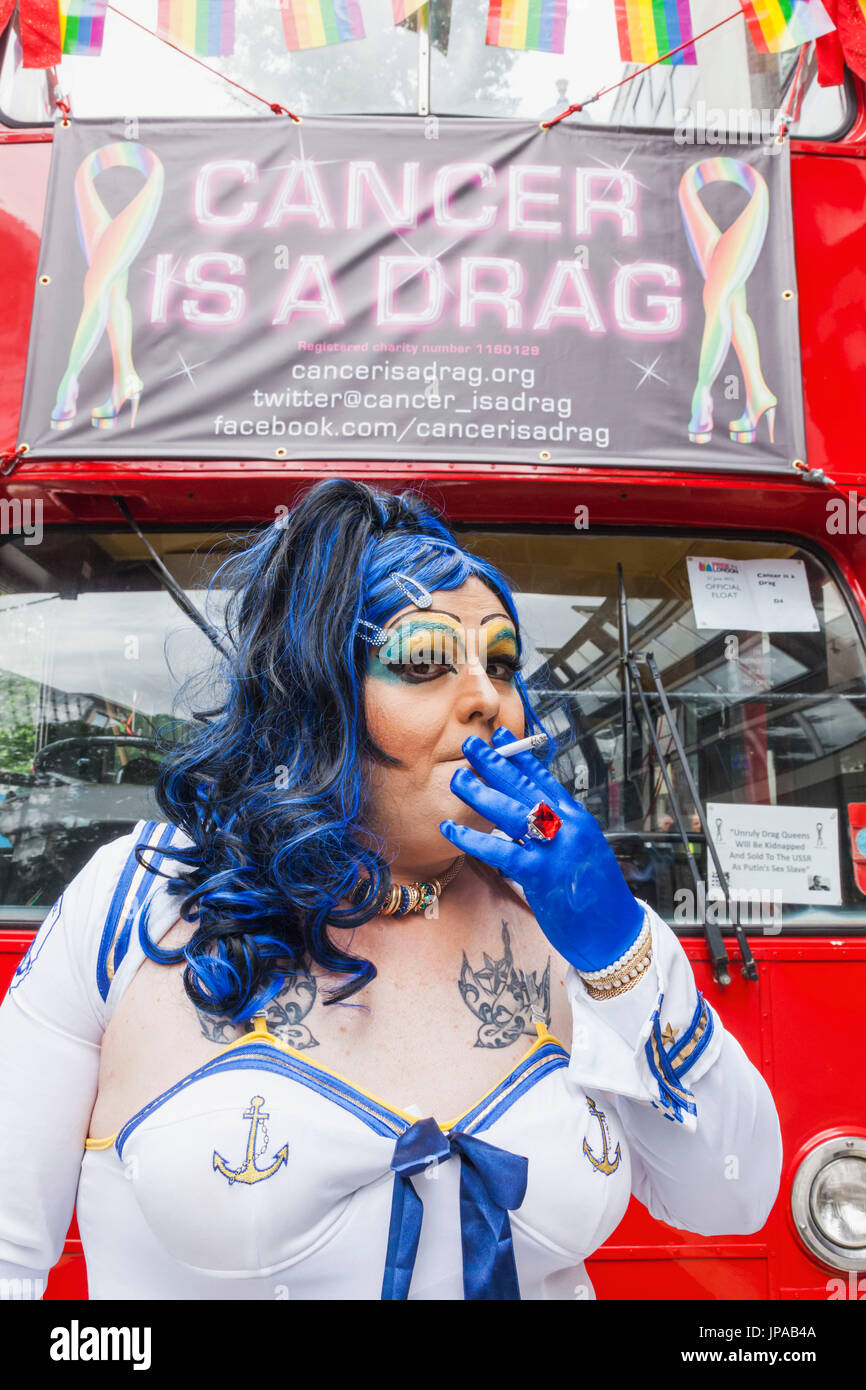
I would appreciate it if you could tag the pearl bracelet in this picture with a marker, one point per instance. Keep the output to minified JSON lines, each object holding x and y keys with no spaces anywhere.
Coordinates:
{"x":624,"y":973}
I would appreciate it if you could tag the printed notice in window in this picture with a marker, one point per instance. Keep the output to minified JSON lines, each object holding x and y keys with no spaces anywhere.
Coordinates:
{"x":751,"y":595}
{"x":788,"y":854}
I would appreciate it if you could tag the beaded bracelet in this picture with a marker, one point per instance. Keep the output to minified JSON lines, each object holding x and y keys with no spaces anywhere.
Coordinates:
{"x":624,"y":973}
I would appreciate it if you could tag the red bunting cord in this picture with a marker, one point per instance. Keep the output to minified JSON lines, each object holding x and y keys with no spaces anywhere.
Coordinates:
{"x":579,"y":105}
{"x":274,"y":106}
{"x":60,"y":101}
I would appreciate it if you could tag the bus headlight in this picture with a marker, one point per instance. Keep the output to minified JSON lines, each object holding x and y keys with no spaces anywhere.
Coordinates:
{"x":828,"y":1202}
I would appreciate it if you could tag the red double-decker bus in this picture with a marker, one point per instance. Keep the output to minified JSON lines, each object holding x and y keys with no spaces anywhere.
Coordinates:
{"x":104,"y":563}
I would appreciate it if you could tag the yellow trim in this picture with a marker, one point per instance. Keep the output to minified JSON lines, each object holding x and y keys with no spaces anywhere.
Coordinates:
{"x":260,"y":1033}
{"x":101,"y":1143}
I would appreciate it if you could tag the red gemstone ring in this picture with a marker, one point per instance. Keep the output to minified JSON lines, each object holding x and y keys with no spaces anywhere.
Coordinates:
{"x":542,"y":822}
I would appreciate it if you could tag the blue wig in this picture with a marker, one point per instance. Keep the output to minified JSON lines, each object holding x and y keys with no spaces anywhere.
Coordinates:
{"x":270,"y":786}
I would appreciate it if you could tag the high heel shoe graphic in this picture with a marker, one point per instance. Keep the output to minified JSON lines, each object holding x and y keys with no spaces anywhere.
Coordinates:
{"x":744,"y":429}
{"x":726,"y":260}
{"x":105,"y":417}
{"x":63,"y":414}
{"x":701,"y":423}
{"x":110,"y":245}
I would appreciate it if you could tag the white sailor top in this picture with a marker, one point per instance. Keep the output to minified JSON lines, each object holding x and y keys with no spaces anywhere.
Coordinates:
{"x":263,"y":1174}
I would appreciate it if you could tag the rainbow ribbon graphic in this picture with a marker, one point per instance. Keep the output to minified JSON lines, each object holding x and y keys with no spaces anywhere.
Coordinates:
{"x":110,"y":245}
{"x":315,"y":23}
{"x":82,"y":25}
{"x":648,"y":28}
{"x":775,"y":25}
{"x":726,"y":260}
{"x":527,"y":24}
{"x":201,"y":26}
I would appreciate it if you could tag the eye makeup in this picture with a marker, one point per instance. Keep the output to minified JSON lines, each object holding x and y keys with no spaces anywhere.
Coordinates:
{"x":420,"y":648}
{"x":423,"y":647}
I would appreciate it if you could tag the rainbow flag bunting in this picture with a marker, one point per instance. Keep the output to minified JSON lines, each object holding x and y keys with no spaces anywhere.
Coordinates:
{"x":527,"y":24}
{"x":775,"y":25}
{"x":201,"y":26}
{"x":649,"y":28}
{"x":404,"y":8}
{"x":315,"y":23}
{"x":81,"y":27}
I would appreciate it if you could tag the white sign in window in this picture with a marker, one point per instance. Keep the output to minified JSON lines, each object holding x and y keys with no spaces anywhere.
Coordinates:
{"x":789,"y":854}
{"x":751,"y":595}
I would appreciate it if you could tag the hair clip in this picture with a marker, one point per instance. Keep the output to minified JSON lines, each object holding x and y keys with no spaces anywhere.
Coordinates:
{"x":422,"y":597}
{"x":374,"y":634}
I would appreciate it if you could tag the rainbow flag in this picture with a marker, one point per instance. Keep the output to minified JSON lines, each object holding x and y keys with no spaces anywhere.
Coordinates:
{"x":775,"y":25}
{"x":315,"y":23}
{"x":81,"y":27}
{"x":404,"y":8}
{"x":535,"y":24}
{"x":201,"y":26}
{"x":649,"y":28}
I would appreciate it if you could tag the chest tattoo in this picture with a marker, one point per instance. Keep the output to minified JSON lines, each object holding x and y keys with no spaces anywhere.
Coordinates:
{"x":284,"y":1015}
{"x":501,"y":996}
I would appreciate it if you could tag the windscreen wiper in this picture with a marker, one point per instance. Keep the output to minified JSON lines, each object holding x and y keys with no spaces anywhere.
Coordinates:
{"x":715,"y":942}
{"x":712,"y":931}
{"x":168,"y":581}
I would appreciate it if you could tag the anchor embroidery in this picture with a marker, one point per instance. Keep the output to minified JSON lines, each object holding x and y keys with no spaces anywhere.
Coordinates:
{"x":603,"y":1164}
{"x":249,"y":1173}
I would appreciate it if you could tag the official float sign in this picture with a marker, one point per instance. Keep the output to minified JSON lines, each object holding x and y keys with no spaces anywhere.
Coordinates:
{"x":406,"y":288}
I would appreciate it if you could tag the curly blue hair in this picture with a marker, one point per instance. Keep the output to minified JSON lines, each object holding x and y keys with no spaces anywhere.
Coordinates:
{"x":269,"y":787}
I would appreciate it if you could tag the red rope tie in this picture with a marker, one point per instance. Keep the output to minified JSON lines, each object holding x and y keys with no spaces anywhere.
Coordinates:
{"x":284,"y":111}
{"x":577,"y":106}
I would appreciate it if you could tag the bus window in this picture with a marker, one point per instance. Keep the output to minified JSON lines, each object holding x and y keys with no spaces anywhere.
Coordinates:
{"x":93,"y":653}
{"x":732,"y":87}
{"x":769,"y":720}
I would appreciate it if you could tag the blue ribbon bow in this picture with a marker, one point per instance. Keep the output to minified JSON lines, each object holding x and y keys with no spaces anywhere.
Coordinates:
{"x":492,"y":1183}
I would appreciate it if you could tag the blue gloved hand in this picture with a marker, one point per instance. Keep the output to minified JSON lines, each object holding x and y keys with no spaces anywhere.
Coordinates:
{"x":572,"y":883}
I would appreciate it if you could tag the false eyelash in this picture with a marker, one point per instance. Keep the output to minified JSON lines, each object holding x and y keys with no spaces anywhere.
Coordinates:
{"x":513,"y":663}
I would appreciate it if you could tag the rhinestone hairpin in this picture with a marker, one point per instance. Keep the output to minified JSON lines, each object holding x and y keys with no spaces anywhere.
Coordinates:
{"x":421,"y":596}
{"x":372,"y":633}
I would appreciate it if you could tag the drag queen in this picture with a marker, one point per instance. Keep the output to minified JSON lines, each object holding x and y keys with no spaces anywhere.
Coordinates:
{"x":372,"y":1014}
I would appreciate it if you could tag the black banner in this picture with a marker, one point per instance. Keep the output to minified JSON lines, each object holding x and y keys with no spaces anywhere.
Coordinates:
{"x":357,"y":287}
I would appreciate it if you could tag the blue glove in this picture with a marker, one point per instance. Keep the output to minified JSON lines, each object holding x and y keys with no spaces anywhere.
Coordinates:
{"x":572,"y":883}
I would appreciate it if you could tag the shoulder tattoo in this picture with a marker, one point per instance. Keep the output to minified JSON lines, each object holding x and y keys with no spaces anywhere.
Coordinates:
{"x":501,"y":997}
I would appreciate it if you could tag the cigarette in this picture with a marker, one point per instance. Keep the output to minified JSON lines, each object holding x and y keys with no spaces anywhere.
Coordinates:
{"x":508,"y":750}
